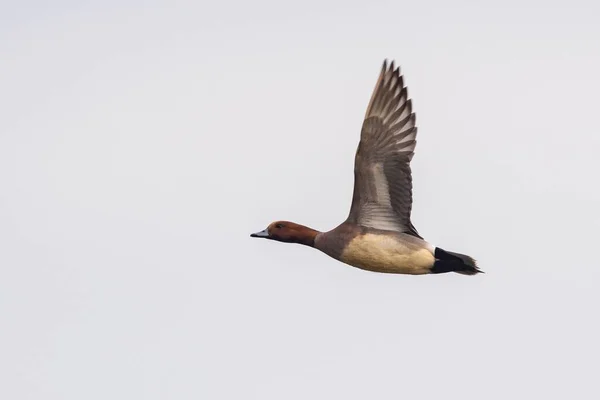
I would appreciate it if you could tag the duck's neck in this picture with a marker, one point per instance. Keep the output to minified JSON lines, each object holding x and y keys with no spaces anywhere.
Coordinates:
{"x":304,"y":235}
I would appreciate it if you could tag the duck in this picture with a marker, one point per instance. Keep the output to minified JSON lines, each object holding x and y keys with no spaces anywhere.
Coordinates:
{"x":378,"y":234}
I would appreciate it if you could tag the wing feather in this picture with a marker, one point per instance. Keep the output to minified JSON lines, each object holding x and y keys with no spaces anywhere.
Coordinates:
{"x":382,"y":176}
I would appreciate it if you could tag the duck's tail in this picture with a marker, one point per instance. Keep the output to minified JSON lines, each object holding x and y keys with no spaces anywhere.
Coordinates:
{"x":447,"y":261}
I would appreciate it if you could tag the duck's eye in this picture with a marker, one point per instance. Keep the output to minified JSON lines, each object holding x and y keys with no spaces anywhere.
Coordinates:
{"x":279,"y":226}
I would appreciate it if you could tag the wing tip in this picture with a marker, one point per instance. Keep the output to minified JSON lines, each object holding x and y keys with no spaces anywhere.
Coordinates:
{"x":389,"y":66}
{"x":390,"y":85}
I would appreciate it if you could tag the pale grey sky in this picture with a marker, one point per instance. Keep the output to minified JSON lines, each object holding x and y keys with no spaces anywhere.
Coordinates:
{"x":141,"y":142}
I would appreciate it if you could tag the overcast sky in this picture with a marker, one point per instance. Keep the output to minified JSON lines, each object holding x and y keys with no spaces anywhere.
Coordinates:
{"x":141,"y":143}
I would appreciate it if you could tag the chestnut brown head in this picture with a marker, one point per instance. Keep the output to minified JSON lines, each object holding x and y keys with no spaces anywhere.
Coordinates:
{"x":288,"y":232}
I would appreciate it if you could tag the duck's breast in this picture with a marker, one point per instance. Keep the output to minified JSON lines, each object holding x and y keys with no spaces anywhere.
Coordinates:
{"x":393,"y":253}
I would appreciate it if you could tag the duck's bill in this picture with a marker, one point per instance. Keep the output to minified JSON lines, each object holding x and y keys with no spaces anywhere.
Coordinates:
{"x":261,"y":234}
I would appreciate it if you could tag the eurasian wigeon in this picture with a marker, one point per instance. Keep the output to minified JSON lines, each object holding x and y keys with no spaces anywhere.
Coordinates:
{"x":378,"y":234}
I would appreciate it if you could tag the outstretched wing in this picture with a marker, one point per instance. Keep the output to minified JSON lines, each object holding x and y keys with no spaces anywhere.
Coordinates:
{"x":382,"y":177}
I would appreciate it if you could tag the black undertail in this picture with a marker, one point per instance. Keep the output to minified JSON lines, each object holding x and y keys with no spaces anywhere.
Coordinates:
{"x":447,"y":261}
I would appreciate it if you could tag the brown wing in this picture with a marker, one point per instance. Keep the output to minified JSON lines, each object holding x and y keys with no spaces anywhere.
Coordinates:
{"x":382,"y":177}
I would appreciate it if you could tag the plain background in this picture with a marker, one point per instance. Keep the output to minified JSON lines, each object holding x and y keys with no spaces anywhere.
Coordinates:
{"x":141,"y":142}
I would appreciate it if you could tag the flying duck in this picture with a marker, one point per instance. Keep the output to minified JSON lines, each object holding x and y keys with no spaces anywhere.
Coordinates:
{"x":378,"y":234}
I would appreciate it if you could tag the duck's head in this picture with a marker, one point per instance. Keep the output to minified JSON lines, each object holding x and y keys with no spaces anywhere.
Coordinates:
{"x":289,"y":232}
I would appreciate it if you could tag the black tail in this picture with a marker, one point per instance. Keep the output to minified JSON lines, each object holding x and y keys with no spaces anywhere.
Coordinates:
{"x":446,"y":261}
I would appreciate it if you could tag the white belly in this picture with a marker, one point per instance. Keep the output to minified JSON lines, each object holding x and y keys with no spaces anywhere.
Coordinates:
{"x":382,"y":253}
